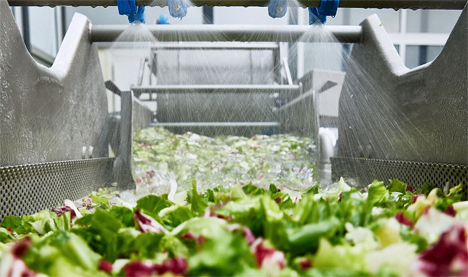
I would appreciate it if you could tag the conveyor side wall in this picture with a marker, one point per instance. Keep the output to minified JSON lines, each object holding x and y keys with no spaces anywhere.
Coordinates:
{"x":50,"y":114}
{"x":390,"y":112}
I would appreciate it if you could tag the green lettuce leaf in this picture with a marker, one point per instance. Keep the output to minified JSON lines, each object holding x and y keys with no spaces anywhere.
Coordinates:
{"x":175,"y":215}
{"x":222,"y":254}
{"x":5,"y":236}
{"x":123,"y":214}
{"x":15,"y":223}
{"x":377,"y":193}
{"x":101,"y":201}
{"x":152,"y":204}
{"x":198,"y":203}
{"x":63,"y":251}
{"x":396,"y":186}
{"x":102,"y":234}
{"x":339,"y":257}
{"x":305,"y":239}
{"x":252,"y":190}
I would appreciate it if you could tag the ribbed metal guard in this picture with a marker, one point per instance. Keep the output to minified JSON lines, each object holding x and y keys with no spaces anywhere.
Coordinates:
{"x":412,"y":173}
{"x":27,"y":189}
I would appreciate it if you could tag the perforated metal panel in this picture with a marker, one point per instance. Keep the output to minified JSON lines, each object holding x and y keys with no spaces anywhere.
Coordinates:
{"x":27,"y":189}
{"x":412,"y":173}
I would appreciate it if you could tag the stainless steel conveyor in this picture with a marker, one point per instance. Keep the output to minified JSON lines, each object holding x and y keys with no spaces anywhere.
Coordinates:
{"x":420,"y":135}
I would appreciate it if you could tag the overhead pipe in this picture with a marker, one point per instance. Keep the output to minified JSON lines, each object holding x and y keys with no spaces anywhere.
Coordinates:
{"x":388,"y":4}
{"x":243,"y":33}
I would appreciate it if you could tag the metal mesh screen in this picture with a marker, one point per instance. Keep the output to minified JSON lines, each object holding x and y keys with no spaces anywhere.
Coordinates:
{"x":412,"y":173}
{"x":27,"y":189}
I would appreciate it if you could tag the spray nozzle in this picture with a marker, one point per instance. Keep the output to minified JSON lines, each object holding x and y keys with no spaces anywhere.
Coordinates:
{"x":277,"y":8}
{"x":177,"y":8}
{"x":326,"y":8}
{"x":130,"y":8}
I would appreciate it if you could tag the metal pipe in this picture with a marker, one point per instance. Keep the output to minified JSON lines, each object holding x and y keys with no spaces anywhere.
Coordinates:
{"x":287,"y":33}
{"x":215,"y":89}
{"x":26,"y":27}
{"x":216,"y":124}
{"x":389,"y":4}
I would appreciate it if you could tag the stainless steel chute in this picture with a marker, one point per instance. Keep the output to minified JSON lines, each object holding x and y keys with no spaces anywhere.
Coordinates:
{"x":55,"y":131}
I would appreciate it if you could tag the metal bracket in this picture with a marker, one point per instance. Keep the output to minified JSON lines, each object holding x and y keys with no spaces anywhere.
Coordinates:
{"x":123,"y":166}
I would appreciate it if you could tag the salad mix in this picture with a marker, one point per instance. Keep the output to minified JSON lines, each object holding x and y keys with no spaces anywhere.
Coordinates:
{"x":164,"y":158}
{"x":247,"y":231}
{"x":241,"y":207}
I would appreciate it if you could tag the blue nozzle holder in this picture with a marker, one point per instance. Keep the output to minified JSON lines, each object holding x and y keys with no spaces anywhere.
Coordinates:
{"x":130,"y":8}
{"x":277,"y":8}
{"x":177,"y":8}
{"x":326,"y":8}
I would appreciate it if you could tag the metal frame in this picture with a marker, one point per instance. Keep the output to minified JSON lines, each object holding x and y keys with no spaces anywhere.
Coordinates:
{"x":230,"y":33}
{"x":214,"y":45}
{"x":216,"y":124}
{"x":390,"y":4}
{"x":215,"y":89}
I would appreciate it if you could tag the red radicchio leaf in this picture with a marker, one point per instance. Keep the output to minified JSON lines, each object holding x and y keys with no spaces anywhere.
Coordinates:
{"x":448,"y":257}
{"x":20,"y":248}
{"x":147,"y":224}
{"x":190,"y":235}
{"x":305,"y":264}
{"x":268,"y":255}
{"x":212,"y":214}
{"x":248,"y":235}
{"x":400,"y":217}
{"x":150,"y":174}
{"x":410,"y":188}
{"x":18,"y":267}
{"x":176,"y":266}
{"x":105,"y":266}
{"x":450,"y":211}
{"x":60,"y":211}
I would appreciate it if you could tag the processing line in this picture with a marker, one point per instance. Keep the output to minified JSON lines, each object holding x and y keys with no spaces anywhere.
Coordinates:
{"x":393,"y":4}
{"x":46,"y":157}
